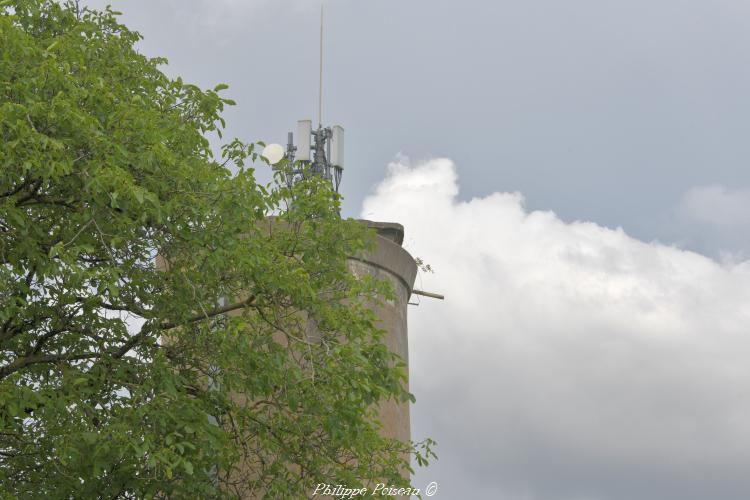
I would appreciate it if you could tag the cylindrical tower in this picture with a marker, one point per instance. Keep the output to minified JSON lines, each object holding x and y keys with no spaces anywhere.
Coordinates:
{"x":390,"y":262}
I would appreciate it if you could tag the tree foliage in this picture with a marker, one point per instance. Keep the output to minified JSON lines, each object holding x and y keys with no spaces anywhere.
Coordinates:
{"x":197,"y":377}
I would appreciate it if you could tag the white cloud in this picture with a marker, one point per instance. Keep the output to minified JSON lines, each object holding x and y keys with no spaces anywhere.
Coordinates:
{"x":569,"y":361}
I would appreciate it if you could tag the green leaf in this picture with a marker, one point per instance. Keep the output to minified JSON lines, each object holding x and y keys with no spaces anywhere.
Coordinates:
{"x":89,"y":437}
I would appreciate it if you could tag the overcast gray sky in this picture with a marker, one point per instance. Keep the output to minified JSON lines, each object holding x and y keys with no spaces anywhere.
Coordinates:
{"x":583,"y":362}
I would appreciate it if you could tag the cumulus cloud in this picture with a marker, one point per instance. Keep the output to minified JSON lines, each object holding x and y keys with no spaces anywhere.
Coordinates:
{"x":569,"y":360}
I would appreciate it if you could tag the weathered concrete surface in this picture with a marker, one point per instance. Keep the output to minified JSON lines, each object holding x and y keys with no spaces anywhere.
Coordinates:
{"x":390,"y":262}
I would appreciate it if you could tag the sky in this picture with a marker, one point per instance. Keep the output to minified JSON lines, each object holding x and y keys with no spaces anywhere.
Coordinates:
{"x":575,"y":173}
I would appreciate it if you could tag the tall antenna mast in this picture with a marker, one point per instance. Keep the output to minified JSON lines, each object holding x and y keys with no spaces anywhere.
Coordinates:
{"x":321,"y":149}
{"x":320,"y":93}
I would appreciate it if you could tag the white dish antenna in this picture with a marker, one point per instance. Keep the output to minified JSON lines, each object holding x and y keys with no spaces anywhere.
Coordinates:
{"x":273,"y":153}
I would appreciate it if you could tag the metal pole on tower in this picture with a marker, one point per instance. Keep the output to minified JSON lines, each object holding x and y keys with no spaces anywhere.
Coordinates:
{"x":320,"y":87}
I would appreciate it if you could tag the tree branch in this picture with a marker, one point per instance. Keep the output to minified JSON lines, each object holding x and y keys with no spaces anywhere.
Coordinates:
{"x":21,"y":363}
{"x":6,"y":332}
{"x":147,"y":328}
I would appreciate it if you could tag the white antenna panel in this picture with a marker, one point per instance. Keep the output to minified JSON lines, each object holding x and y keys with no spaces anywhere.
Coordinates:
{"x":337,"y":146}
{"x":304,"y":129}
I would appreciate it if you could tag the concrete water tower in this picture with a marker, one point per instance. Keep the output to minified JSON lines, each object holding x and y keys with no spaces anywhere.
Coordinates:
{"x":320,"y":152}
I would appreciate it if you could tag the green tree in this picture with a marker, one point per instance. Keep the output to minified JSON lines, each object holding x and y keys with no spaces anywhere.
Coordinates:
{"x":122,"y":378}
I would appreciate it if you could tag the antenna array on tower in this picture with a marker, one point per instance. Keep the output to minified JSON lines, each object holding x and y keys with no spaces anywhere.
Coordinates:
{"x":321,"y":149}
